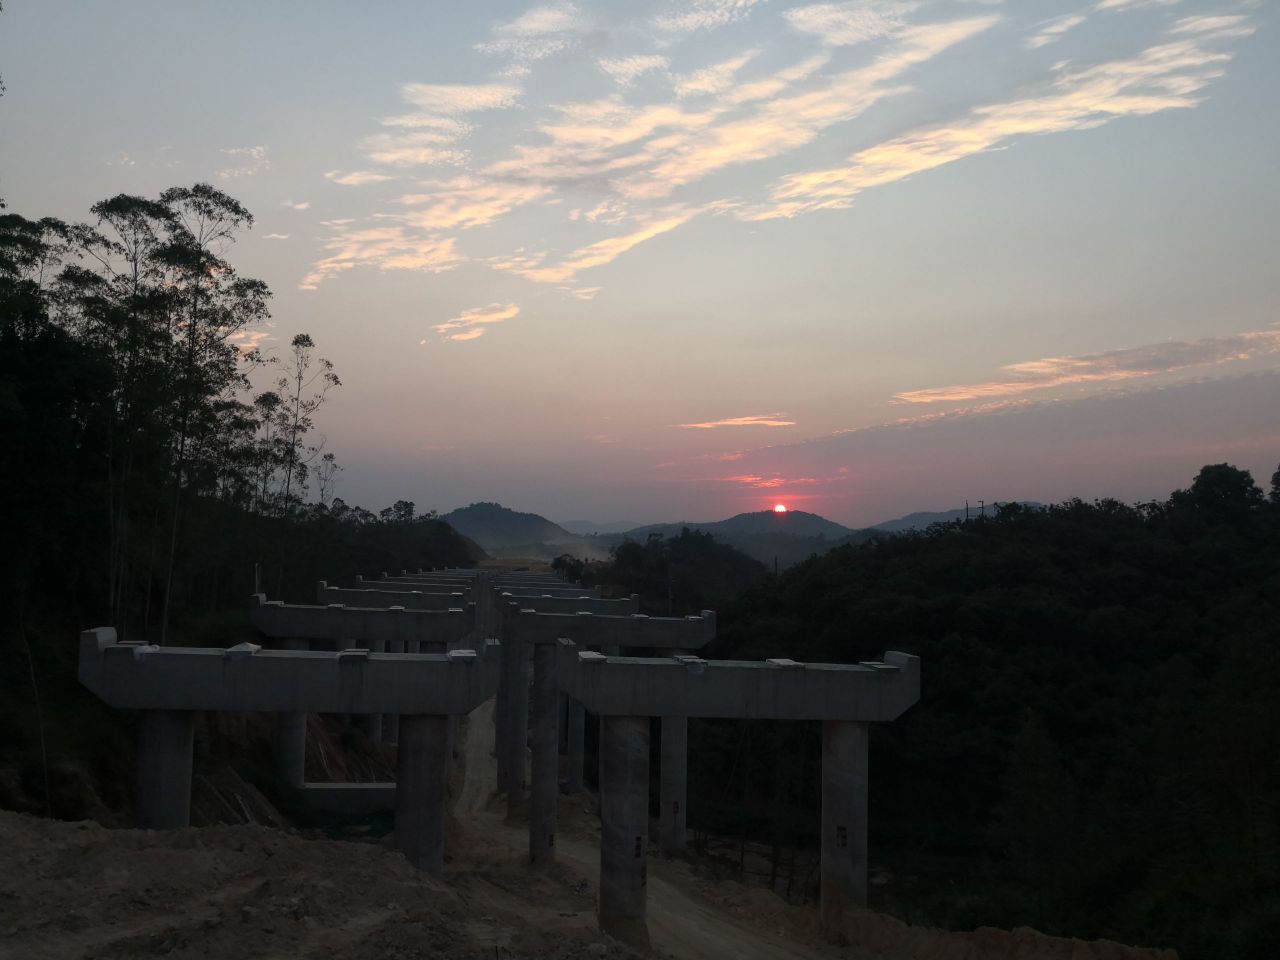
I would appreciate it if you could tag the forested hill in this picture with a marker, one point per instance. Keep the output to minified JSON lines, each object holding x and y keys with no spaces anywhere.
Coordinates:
{"x":492,"y":525}
{"x":1095,"y":746}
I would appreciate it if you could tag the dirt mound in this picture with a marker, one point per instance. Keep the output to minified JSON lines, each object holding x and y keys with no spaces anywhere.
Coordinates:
{"x":77,"y":890}
{"x":867,"y":935}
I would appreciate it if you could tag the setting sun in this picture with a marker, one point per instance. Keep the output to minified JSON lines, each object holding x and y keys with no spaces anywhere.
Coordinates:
{"x":780,"y":508}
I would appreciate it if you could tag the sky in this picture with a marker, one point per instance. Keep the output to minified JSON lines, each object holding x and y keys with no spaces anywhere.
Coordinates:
{"x":664,"y":261}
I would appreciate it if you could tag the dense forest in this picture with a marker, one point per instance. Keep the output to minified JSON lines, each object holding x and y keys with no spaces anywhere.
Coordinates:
{"x":1094,"y":752}
{"x":152,"y":459}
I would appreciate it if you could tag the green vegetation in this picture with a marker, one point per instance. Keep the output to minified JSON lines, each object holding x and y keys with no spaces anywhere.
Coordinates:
{"x":677,"y":575}
{"x":145,"y":475}
{"x":1094,"y":753}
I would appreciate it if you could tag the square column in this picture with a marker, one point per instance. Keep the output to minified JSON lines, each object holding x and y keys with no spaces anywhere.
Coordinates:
{"x":516,"y":740}
{"x":290,"y":741}
{"x":391,"y":721}
{"x":673,"y":789}
{"x":624,"y":827}
{"x":545,"y":783}
{"x":165,"y":740}
{"x":577,"y":745}
{"x":843,"y":873}
{"x":508,"y":659}
{"x":290,"y":745}
{"x":373,"y":721}
{"x":421,"y":774}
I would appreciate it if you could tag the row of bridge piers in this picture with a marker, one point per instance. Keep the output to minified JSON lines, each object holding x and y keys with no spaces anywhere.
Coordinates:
{"x":411,"y":653}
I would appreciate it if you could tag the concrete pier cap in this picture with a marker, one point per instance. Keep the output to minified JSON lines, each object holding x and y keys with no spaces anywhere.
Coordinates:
{"x":382,"y":599}
{"x":147,"y":677}
{"x":392,"y":625}
{"x":683,"y":685}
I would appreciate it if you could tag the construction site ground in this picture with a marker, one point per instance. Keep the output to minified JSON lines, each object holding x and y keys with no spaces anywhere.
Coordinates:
{"x":76,"y":891}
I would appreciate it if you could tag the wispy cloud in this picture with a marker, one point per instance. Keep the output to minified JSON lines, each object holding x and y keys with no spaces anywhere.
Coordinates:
{"x":538,"y":33}
{"x":299,"y":205}
{"x":759,"y":420}
{"x":625,"y":70}
{"x":693,"y":16}
{"x":1052,"y":30}
{"x":772,"y":482}
{"x":782,"y":124}
{"x":595,"y":254}
{"x":716,"y":78}
{"x":245,"y":162}
{"x":472,"y":323}
{"x":276,"y":236}
{"x":1163,"y":77}
{"x":356,"y":178}
{"x":451,"y":99}
{"x":246,"y":340}
{"x":1133,"y":4}
{"x":467,"y":201}
{"x":385,"y":248}
{"x":851,"y":22}
{"x":1113,"y":365}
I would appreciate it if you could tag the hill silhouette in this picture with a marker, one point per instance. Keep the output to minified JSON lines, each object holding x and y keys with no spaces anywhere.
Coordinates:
{"x":769,"y":537}
{"x":923,"y":518}
{"x":494,"y":526}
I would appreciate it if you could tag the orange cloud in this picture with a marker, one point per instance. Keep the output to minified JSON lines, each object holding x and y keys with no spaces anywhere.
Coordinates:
{"x":1114,"y":365}
{"x":471,"y":324}
{"x":762,"y":420}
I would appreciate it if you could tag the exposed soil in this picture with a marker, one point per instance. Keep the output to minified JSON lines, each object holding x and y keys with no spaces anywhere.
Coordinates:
{"x":75,"y":891}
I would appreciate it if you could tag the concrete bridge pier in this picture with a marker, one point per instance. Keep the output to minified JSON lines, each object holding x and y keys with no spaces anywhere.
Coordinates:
{"x":843,"y":869}
{"x":165,"y":741}
{"x":290,"y":741}
{"x":391,"y":721}
{"x":421,"y":774}
{"x":502,"y":706}
{"x":291,"y":748}
{"x":673,"y":786}
{"x":545,"y":781}
{"x":577,"y":733}
{"x":373,"y":721}
{"x":517,"y":734}
{"x":624,"y":827}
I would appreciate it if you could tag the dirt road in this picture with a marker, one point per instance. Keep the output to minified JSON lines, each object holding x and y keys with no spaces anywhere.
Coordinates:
{"x":682,"y":924}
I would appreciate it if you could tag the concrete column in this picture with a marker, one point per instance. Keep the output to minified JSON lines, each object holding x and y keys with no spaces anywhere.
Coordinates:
{"x":843,"y":874}
{"x":562,"y":717}
{"x":577,"y":745}
{"x":673,"y":790}
{"x":391,"y":721}
{"x":291,"y":748}
{"x":421,"y":775}
{"x":165,"y":740}
{"x":291,"y":734}
{"x":373,"y":721}
{"x":545,"y":782}
{"x":517,"y":739}
{"x":608,"y":652}
{"x":624,"y":827}
{"x":501,"y":708}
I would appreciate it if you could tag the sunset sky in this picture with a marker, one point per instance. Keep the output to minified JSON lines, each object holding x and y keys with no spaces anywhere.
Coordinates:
{"x":662,"y":261}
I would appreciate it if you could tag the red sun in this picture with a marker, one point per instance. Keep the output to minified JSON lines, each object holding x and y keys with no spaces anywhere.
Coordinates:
{"x":780,"y":508}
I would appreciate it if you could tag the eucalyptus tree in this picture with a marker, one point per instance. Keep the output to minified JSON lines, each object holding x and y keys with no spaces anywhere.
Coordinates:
{"x":209,"y":303}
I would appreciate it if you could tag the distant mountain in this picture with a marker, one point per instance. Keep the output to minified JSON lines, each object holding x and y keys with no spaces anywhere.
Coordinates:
{"x":494,"y":526}
{"x":922,"y":519}
{"x":588,"y":527}
{"x":784,"y":538}
{"x":795,"y":523}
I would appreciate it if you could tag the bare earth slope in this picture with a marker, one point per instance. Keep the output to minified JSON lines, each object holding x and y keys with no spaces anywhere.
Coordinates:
{"x":74,"y":891}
